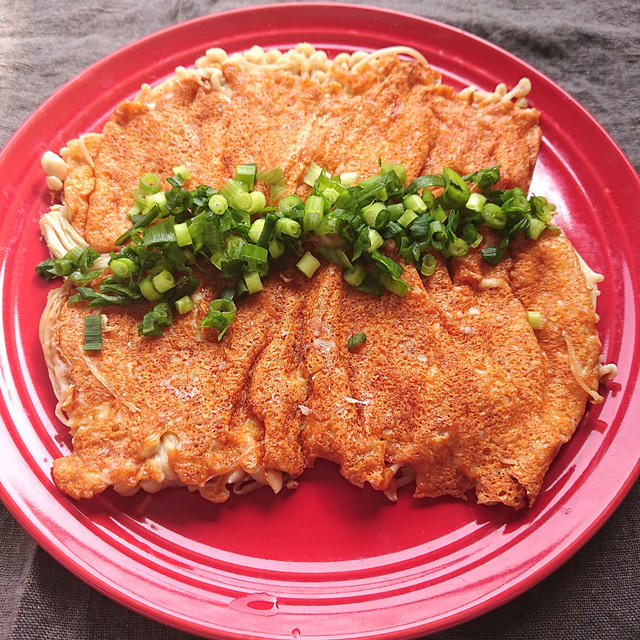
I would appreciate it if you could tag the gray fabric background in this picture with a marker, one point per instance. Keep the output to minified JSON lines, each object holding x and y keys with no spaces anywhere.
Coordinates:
{"x":590,"y":48}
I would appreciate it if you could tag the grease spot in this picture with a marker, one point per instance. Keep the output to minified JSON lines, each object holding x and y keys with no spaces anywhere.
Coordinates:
{"x":261,"y":604}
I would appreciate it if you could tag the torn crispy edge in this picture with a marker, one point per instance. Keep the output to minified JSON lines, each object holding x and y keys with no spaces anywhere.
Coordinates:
{"x":606,"y":371}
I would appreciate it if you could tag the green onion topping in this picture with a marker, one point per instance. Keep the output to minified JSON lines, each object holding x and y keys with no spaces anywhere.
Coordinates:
{"x":356,"y":339}
{"x":221,"y":314}
{"x":246,"y":174}
{"x":240,"y":235}
{"x":156,"y":320}
{"x":93,"y":333}
{"x":536,"y":320}
{"x":308,"y":264}
{"x":184,"y":304}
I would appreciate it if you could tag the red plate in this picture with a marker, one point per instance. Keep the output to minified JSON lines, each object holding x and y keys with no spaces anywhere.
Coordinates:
{"x":327,"y":559}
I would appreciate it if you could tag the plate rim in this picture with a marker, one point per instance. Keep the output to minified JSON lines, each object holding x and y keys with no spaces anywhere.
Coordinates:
{"x":111,"y":590}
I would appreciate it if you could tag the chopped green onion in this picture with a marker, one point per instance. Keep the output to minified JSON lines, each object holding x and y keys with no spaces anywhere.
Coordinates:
{"x":159,"y":233}
{"x":288,"y":227}
{"x":290,"y":205}
{"x":424,"y":182}
{"x":134,"y":211}
{"x":438,"y":213}
{"x":246,"y":174}
{"x":236,"y":195}
{"x":234,"y":247}
{"x":471,"y":235}
{"x":140,"y":196}
{"x":46,"y":269}
{"x":159,"y":199}
{"x":542,"y":208}
{"x":271,"y":176}
{"x":276,"y":190}
{"x":155,"y":320}
{"x":536,"y":227}
{"x":476,"y":202}
{"x":376,"y":215}
{"x":407,"y":218}
{"x":356,"y":339}
{"x":142,"y":221}
{"x":536,"y":320}
{"x":493,"y":216}
{"x":123,"y":267}
{"x":414,"y":203}
{"x":371,"y":286}
{"x":313,"y":212}
{"x":222,"y":305}
{"x":253,"y":252}
{"x":328,"y":225}
{"x":355,"y":275}
{"x":492,"y":254}
{"x":148,"y":290}
{"x":428,"y":265}
{"x":458,"y":247}
{"x":398,"y":169}
{"x":313,"y":173}
{"x":221,"y":314}
{"x":163,"y":281}
{"x":218,"y":204}
{"x":97,"y":299}
{"x":335,"y":256}
{"x":182,"y":172}
{"x":515,"y":201}
{"x":399,"y":287}
{"x":177,"y":230}
{"x":73,"y":255}
{"x":388,"y":265}
{"x":330,"y":194}
{"x":268,"y":229}
{"x":428,"y":198}
{"x":456,"y":190}
{"x":276,"y":248}
{"x":258,"y":201}
{"x":253,"y":282}
{"x":308,"y":264}
{"x":256,"y":229}
{"x":275,"y":179}
{"x":375,"y":240}
{"x":395,"y":210}
{"x":150,"y":183}
{"x":183,"y":237}
{"x":349,"y":179}
{"x":92,"y":333}
{"x":477,"y":242}
{"x":184,"y":304}
{"x":228,"y":294}
{"x":484,"y":178}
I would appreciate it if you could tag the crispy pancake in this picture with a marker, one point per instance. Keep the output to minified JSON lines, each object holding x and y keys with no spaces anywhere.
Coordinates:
{"x":342,"y":114}
{"x":452,"y":386}
{"x":129,"y":402}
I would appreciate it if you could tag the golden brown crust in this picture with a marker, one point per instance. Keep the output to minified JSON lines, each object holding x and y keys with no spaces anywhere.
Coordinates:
{"x":546,"y":277}
{"x":134,"y":392}
{"x":452,"y":383}
{"x":344,"y":116}
{"x":471,"y":136}
{"x":80,"y":156}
